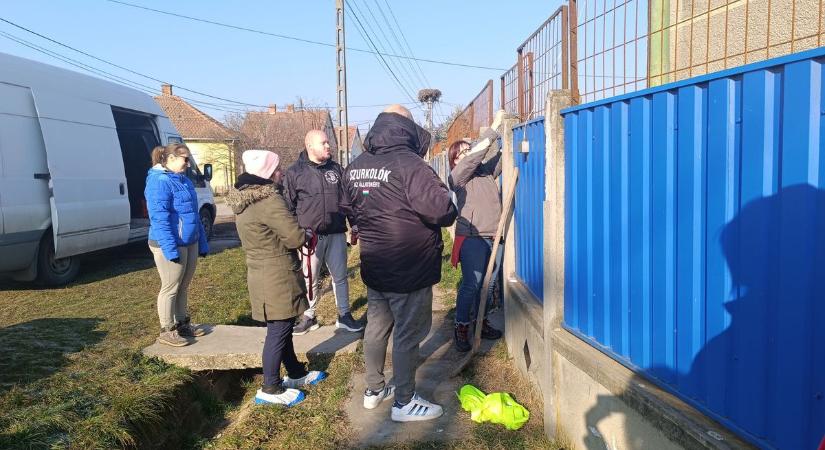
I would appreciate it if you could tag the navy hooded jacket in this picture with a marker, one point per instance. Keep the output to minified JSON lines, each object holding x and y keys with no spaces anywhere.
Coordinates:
{"x":399,"y":205}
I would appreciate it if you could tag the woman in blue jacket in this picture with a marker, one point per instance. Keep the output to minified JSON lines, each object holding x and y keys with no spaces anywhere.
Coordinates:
{"x":176,"y":238}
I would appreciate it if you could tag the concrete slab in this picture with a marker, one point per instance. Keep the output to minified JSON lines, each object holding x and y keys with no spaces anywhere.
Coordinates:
{"x":374,"y":427}
{"x":228,"y":347}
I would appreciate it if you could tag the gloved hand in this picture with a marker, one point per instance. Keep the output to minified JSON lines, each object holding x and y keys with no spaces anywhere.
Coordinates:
{"x":497,"y":120}
{"x":310,"y":234}
{"x":488,"y":138}
{"x":353,"y":235}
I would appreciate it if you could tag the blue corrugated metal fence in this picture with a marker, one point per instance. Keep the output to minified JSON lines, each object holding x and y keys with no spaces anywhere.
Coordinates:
{"x":528,"y":212}
{"x":695,"y":241}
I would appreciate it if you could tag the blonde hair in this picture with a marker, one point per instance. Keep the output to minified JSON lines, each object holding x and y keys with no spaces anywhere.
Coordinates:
{"x":161,"y":153}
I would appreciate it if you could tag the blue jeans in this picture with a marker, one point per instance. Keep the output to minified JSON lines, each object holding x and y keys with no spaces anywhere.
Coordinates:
{"x":474,"y":255}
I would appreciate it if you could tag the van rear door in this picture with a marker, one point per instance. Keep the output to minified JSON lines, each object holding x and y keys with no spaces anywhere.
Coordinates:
{"x":89,"y":204}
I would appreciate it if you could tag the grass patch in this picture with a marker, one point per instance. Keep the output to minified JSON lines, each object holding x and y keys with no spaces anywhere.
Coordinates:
{"x":450,"y":276}
{"x":318,"y":422}
{"x":73,"y":376}
{"x":72,"y":373}
{"x":495,"y":372}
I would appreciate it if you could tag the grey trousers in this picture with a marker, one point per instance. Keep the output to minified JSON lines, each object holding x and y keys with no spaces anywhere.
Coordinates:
{"x":408,"y":317}
{"x":332,"y":251}
{"x":174,"y":284}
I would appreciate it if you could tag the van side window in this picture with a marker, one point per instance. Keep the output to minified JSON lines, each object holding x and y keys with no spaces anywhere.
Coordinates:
{"x":194,"y":174}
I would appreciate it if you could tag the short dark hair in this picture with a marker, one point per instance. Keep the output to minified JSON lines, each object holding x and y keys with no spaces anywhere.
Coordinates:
{"x":453,"y":150}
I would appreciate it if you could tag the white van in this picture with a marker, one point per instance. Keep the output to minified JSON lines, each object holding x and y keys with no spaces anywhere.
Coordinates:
{"x":74,"y":154}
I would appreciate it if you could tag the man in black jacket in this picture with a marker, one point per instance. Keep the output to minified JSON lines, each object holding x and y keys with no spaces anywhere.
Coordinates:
{"x":399,"y":205}
{"x":314,"y":193}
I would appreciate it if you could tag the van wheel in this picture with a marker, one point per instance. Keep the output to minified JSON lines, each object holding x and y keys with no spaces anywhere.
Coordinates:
{"x":53,"y":271}
{"x":207,"y":221}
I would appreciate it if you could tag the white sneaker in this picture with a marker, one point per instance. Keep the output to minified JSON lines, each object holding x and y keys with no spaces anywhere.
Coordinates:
{"x":290,"y":397}
{"x":311,"y":378}
{"x":373,"y":399}
{"x":416,"y":410}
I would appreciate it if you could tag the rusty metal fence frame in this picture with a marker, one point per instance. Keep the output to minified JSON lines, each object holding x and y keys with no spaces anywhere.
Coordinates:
{"x":543,"y":64}
{"x":602,"y":48}
{"x":477,"y":114}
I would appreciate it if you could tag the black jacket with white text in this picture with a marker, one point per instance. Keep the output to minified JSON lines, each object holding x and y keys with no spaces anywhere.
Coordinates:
{"x":399,"y":205}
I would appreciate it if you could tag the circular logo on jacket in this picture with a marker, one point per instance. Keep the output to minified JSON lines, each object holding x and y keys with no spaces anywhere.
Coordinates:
{"x":331,"y":176}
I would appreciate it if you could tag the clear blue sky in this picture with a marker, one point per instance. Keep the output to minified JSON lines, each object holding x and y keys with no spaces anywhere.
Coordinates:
{"x":260,"y":69}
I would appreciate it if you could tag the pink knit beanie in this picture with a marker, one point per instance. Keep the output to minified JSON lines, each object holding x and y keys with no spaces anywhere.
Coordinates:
{"x":261,"y":163}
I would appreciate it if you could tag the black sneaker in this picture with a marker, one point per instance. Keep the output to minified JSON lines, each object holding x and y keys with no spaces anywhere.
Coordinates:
{"x":189,"y":329}
{"x":462,"y":338}
{"x":488,"y":332}
{"x":306,"y":325}
{"x":347,"y":322}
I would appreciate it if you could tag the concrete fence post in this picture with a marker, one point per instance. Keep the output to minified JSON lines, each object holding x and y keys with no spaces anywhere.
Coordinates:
{"x":507,"y":165}
{"x":554,"y":208}
{"x":508,"y":262}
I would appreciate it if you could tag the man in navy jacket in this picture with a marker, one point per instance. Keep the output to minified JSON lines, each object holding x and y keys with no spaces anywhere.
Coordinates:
{"x":400,"y":206}
{"x":314,"y":193}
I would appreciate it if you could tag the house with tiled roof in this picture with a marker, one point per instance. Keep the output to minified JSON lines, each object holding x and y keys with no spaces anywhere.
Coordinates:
{"x":209,"y":141}
{"x":283,"y":132}
{"x":356,"y":143}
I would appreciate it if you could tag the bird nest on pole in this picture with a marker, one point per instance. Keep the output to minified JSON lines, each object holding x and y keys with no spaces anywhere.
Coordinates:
{"x":429,"y":95}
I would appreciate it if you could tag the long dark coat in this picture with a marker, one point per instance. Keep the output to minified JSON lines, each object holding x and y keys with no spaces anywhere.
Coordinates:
{"x":270,"y":236}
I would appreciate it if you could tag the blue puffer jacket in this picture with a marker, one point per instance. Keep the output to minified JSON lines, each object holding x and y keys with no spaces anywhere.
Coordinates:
{"x":174,"y":218}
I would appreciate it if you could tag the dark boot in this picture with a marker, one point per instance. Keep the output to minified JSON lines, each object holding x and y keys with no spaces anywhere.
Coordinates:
{"x":488,"y":332}
{"x":462,"y":338}
{"x":188,"y":329}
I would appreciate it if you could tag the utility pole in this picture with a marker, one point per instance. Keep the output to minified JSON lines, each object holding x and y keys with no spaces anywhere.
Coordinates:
{"x":341,"y":74}
{"x":428,"y":97}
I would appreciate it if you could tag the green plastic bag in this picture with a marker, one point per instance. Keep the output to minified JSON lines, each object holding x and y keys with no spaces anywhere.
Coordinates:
{"x":498,"y":407}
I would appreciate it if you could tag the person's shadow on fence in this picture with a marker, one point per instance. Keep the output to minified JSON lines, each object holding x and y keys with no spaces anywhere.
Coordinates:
{"x":764,"y":372}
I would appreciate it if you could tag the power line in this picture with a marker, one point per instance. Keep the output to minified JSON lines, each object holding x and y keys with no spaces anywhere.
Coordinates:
{"x":104,"y":74}
{"x":153,"y":90}
{"x":355,"y":13}
{"x":306,"y":41}
{"x":420,"y":73}
{"x":404,"y":70}
{"x":404,"y":37}
{"x":132,"y":71}
{"x":367,"y":38}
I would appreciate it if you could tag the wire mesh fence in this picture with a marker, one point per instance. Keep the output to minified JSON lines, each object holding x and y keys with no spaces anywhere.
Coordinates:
{"x":602,"y":48}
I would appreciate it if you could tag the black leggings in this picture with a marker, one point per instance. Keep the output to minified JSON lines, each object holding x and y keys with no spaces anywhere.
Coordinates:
{"x":277,"y":349}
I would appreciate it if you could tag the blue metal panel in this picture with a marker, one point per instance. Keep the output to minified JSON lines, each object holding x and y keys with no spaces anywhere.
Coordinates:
{"x":571,"y":260}
{"x":639,"y":231}
{"x":529,"y":207}
{"x":695,"y":242}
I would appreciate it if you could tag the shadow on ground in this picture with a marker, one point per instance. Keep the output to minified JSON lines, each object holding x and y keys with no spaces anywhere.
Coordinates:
{"x":36,"y":349}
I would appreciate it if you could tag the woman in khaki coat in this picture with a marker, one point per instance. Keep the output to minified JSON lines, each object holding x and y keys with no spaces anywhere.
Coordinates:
{"x":270,"y":236}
